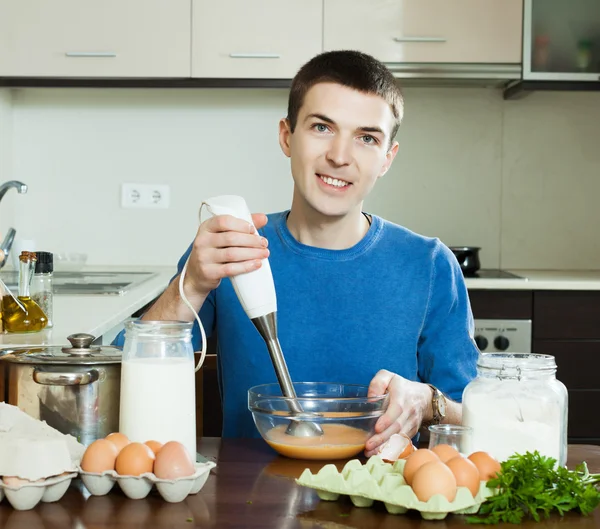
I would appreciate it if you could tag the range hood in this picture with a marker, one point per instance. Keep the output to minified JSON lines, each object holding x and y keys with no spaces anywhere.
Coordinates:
{"x":561,"y":47}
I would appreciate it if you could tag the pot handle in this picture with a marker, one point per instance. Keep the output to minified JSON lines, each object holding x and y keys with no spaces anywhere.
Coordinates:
{"x":51,"y":378}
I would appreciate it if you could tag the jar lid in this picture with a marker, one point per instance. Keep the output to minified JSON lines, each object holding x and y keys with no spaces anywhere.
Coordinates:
{"x":45,"y":263}
{"x":80,"y":352}
{"x":516,"y":364}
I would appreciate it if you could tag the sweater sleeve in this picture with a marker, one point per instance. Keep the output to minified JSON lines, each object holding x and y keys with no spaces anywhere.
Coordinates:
{"x":447,"y":353}
{"x":207,"y":312}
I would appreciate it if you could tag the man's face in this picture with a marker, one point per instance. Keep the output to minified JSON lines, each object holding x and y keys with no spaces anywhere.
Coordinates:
{"x":339,"y":148}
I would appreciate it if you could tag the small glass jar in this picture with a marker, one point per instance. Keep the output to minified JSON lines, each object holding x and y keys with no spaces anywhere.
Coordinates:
{"x":516,"y":405}
{"x":158,"y":383}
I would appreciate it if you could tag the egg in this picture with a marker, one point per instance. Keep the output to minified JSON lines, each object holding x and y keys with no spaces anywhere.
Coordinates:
{"x":398,"y":446}
{"x":134,"y":460}
{"x":155,"y":446}
{"x":445,"y":452}
{"x":99,"y":456}
{"x":486,"y":464}
{"x":120,"y":440}
{"x":173,"y":461}
{"x":417,"y":459}
{"x":466,"y":473}
{"x":433,"y":478}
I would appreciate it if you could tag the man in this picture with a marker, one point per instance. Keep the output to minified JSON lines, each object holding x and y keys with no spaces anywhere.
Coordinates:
{"x":360,"y":300}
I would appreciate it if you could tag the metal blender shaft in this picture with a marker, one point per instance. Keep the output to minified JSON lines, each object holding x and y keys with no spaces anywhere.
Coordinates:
{"x":267,"y":327}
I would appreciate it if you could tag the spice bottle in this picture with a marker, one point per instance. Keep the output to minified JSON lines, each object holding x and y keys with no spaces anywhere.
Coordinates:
{"x":42,"y":284}
{"x":22,"y":314}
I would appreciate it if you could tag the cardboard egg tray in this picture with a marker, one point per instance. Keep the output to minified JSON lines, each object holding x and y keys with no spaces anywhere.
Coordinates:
{"x":381,"y":481}
{"x":138,"y":487}
{"x":28,"y":496}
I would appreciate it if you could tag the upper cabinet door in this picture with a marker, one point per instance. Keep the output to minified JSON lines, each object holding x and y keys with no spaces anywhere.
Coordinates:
{"x":427,"y":31}
{"x":95,"y":38}
{"x":258,"y":39}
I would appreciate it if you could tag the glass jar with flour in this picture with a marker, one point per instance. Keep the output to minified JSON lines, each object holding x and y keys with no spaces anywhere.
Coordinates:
{"x":515,"y":405}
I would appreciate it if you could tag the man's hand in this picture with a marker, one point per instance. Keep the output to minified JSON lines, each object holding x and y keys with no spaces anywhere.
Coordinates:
{"x":409,"y":405}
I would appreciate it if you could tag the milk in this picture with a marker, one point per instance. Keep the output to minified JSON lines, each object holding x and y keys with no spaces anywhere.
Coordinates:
{"x":158,"y":401}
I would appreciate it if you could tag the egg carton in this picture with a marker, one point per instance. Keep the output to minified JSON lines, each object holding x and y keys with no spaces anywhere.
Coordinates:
{"x":138,"y":487}
{"x":27,"y":496}
{"x":384,"y":482}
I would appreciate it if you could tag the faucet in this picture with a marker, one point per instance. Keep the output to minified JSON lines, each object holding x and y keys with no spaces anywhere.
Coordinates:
{"x":7,"y":243}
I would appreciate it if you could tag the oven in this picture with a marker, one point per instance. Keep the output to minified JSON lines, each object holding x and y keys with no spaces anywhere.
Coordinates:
{"x":503,"y":335}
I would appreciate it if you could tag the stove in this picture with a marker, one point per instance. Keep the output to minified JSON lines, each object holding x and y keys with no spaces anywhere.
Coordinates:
{"x":494,"y":274}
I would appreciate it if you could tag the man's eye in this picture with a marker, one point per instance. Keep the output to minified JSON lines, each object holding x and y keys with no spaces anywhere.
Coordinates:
{"x":319,"y":127}
{"x":369,"y":140}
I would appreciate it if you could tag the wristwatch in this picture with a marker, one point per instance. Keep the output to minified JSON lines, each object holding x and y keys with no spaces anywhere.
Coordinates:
{"x":438,"y":405}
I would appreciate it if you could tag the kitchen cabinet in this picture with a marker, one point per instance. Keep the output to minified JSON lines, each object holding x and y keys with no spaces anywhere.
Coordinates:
{"x":427,"y":31}
{"x":87,"y":38}
{"x":259,"y":39}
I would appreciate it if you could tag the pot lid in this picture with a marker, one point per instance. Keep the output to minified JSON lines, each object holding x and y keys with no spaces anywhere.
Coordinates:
{"x":81,"y":351}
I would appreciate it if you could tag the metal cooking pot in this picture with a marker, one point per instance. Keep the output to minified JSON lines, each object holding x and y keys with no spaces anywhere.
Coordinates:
{"x":74,"y":389}
{"x":468,"y":258}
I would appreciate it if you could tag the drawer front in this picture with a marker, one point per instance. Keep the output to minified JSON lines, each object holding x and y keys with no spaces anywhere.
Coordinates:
{"x":578,"y":363}
{"x":501,"y":304}
{"x":566,"y":315}
{"x":83,"y":38}
{"x":583,"y":415}
{"x":427,"y":31}
{"x":259,"y":39}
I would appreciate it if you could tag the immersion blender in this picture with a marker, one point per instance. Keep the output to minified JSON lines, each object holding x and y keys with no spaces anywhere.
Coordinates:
{"x":256,"y":292}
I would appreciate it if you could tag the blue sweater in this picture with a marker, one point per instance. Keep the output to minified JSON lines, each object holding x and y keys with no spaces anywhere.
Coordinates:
{"x":396,"y":301}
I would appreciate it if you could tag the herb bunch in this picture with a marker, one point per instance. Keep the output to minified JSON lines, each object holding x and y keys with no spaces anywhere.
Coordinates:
{"x":534,"y":486}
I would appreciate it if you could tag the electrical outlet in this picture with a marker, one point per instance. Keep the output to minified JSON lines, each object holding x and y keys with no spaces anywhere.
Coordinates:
{"x":149,"y":196}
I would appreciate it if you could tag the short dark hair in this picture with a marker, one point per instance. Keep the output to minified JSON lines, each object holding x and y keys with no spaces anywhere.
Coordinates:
{"x":350,"y":68}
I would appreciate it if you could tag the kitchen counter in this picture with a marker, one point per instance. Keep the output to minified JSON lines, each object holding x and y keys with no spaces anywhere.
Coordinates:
{"x":250,"y":487}
{"x":541,"y":280}
{"x":94,"y":314}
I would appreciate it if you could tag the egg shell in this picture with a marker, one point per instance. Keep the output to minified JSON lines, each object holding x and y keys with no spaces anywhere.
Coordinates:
{"x":486,"y":464}
{"x":100,"y":456}
{"x":466,"y":473}
{"x":118,"y":439}
{"x":445,"y":452}
{"x":173,"y":461}
{"x":416,"y":460}
{"x":155,"y":446}
{"x":434,"y":478}
{"x":398,"y":446}
{"x":134,"y":460}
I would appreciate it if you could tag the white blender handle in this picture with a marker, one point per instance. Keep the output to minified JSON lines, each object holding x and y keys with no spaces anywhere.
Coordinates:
{"x":256,"y":289}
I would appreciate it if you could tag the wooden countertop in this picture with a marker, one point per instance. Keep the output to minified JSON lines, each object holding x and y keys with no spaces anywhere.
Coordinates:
{"x":250,"y":487}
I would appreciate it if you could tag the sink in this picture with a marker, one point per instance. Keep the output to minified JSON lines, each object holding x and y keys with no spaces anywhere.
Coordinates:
{"x":86,"y":283}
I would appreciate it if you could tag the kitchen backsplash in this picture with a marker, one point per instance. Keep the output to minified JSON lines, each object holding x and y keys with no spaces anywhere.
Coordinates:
{"x":518,"y":178}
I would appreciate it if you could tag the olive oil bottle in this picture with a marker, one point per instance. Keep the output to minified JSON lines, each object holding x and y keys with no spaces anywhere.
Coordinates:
{"x":26,"y":315}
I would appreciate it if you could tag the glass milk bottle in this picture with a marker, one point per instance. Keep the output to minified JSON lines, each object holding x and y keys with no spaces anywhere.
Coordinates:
{"x":515,"y":405}
{"x":158,"y":397}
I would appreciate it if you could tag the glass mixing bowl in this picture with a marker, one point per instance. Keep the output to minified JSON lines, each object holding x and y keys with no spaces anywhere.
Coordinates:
{"x":343,"y":411}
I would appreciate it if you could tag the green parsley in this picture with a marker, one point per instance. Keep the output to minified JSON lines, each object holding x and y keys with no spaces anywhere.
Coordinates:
{"x":533,"y":486}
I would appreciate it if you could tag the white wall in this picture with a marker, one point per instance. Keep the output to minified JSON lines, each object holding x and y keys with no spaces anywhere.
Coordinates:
{"x":518,"y":178}
{"x":6,"y":153}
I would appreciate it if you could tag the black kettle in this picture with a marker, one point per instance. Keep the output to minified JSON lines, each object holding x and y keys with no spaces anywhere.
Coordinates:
{"x":468,"y":258}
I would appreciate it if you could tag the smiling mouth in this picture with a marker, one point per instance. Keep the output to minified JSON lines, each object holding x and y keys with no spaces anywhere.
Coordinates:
{"x":333,"y":181}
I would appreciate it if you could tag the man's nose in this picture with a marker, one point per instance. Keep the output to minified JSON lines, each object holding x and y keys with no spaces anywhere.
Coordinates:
{"x":340,"y":151}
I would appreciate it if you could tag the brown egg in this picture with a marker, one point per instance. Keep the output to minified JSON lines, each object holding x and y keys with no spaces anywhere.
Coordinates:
{"x":466,"y":473}
{"x":134,"y":460}
{"x":118,"y":439}
{"x":434,"y":478}
{"x":155,"y":446}
{"x":99,"y":456}
{"x":173,"y":461}
{"x":486,"y":464}
{"x":445,"y":452}
{"x":415,"y":460}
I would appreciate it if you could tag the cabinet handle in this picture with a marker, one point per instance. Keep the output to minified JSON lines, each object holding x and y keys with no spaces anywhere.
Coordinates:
{"x":255,"y":56}
{"x":420,"y":39}
{"x":91,"y":54}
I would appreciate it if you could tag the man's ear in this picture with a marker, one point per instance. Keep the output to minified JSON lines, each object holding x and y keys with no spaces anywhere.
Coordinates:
{"x":285,"y":134}
{"x":389,"y":158}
